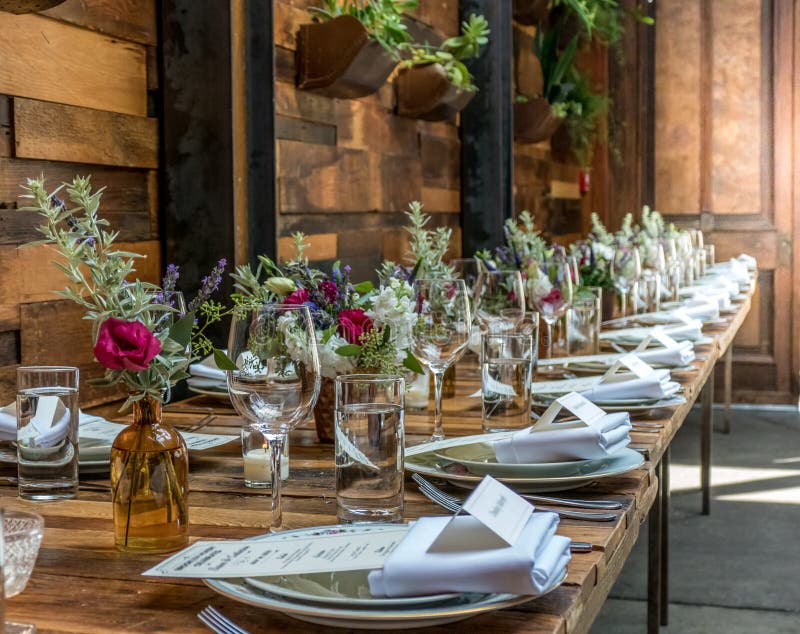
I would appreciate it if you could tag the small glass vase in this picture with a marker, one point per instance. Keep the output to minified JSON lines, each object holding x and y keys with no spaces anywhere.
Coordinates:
{"x":149,"y":483}
{"x":323,"y":410}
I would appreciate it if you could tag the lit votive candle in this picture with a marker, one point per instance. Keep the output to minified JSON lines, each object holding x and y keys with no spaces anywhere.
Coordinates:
{"x":256,"y":457}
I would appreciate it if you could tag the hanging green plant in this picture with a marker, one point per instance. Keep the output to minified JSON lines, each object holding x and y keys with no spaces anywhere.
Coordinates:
{"x":582,"y":128}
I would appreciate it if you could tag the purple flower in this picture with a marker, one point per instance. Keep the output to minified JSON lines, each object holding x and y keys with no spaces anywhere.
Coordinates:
{"x":208,"y":285}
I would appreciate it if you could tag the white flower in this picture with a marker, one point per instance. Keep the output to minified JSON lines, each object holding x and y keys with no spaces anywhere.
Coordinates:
{"x":331,"y":363}
{"x":539,"y":285}
{"x":392,"y":306}
{"x":603,"y":251}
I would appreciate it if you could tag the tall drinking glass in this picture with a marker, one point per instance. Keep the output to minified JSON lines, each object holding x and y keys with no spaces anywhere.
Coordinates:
{"x":20,"y":537}
{"x":277,"y":378}
{"x":550,"y":292}
{"x":441,"y":333}
{"x":369,"y":447}
{"x":47,"y":432}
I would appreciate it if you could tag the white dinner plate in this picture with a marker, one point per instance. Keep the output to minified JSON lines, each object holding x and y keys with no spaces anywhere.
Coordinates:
{"x":479,"y":459}
{"x":620,"y":406}
{"x":399,"y":616}
{"x":422,"y":459}
{"x":93,"y":455}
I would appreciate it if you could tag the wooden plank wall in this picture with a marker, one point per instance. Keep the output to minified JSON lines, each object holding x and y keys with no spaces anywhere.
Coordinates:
{"x":346,"y":169}
{"x":75,"y":86}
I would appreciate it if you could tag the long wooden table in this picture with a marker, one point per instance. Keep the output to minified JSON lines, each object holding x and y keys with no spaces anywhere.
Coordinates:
{"x":81,"y":583}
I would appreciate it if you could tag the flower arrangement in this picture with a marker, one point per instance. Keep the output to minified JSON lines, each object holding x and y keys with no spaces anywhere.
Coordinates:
{"x":357,"y":325}
{"x":595,"y":255}
{"x":141,"y":335}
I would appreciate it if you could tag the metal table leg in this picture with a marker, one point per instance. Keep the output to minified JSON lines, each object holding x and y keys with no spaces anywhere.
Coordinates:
{"x":664,"y":486}
{"x":705,"y":442}
{"x":654,"y":561}
{"x":728,"y":388}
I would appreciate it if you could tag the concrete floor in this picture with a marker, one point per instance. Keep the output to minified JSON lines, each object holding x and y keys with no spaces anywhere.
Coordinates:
{"x":738,"y":570}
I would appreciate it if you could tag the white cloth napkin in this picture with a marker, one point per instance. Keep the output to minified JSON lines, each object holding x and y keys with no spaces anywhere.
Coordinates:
{"x":702,"y":308}
{"x":748,"y":260}
{"x":622,"y":387}
{"x":537,"y":559}
{"x":8,"y":424}
{"x":671,"y":357}
{"x":38,"y":432}
{"x":681,"y":332}
{"x":528,"y":446}
{"x":207,"y":369}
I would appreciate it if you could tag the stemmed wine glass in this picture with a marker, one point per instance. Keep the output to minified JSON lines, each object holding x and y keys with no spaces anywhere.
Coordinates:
{"x":626,"y":269}
{"x":277,"y":378}
{"x":550,"y":292}
{"x":441,"y":333}
{"x":499,"y":300}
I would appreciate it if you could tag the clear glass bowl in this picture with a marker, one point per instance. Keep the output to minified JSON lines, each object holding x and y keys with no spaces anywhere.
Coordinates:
{"x":22,"y":532}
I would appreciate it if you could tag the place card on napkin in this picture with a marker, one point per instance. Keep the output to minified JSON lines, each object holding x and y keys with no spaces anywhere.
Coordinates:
{"x":594,"y":435}
{"x":467,"y":554}
{"x":634,"y":363}
{"x":660,"y":335}
{"x":282,"y":555}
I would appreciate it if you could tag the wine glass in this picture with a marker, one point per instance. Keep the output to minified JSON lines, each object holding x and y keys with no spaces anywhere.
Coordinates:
{"x":626,"y":269}
{"x":499,"y":300}
{"x":467,"y":269}
{"x":277,"y":378}
{"x":550,"y":292}
{"x":20,"y":537}
{"x":441,"y":333}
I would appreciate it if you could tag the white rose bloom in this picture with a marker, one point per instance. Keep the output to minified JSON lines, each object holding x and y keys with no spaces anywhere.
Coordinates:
{"x":393,"y":307}
{"x":539,"y":286}
{"x":603,"y":251}
{"x":332,"y":363}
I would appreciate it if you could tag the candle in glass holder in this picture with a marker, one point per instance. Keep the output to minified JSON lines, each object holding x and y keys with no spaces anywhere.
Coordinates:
{"x":256,"y":457}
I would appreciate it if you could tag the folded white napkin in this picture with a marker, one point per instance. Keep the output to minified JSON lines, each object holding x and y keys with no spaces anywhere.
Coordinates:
{"x":748,"y":260}
{"x":8,"y":425}
{"x":207,"y":369}
{"x":537,"y":559}
{"x":601,"y":440}
{"x":702,"y":308}
{"x":670,"y":357}
{"x":680,"y":332}
{"x":623,"y":387}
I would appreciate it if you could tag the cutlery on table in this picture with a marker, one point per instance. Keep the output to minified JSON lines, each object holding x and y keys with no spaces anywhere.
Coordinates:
{"x":453,"y":504}
{"x":218,"y":622}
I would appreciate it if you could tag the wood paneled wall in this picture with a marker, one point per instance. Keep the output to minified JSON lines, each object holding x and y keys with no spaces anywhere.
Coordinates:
{"x":75,"y":86}
{"x":346,"y":169}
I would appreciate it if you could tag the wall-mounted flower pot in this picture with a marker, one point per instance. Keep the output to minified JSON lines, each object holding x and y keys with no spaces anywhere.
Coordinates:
{"x":425,"y":92}
{"x":27,"y":6}
{"x":531,"y":11}
{"x":339,"y":59}
{"x":534,"y":121}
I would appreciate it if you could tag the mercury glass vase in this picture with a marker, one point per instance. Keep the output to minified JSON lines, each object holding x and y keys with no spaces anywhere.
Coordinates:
{"x":149,"y":483}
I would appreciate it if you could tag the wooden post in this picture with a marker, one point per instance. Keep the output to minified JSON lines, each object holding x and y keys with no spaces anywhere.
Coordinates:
{"x":487,"y":137}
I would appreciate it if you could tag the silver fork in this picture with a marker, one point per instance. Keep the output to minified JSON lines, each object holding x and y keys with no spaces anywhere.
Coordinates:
{"x":453,"y":504}
{"x":218,"y":622}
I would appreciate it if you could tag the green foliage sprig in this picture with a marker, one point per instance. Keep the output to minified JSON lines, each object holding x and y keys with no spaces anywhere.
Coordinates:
{"x":451,"y":53}
{"x":383,"y":19}
{"x":556,"y":66}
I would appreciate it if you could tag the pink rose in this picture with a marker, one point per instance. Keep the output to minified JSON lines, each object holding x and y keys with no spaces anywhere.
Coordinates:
{"x":329,"y":290}
{"x":300,"y":296}
{"x":125,"y":345}
{"x":354,"y":323}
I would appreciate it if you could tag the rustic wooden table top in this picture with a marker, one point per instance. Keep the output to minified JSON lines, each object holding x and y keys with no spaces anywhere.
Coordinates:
{"x":81,"y":583}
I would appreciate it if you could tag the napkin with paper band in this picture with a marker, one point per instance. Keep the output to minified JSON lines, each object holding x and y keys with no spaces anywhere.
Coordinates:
{"x":617,"y":388}
{"x":537,"y":559}
{"x":681,"y":355}
{"x":701,"y":308}
{"x":748,"y":260}
{"x":600,"y":440}
{"x":38,"y":433}
{"x":207,"y":369}
{"x":682,"y":332}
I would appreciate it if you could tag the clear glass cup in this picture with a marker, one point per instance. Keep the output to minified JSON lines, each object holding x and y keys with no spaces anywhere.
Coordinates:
{"x":277,"y":378}
{"x":257,"y":460}
{"x":507,"y":368}
{"x":20,"y":537}
{"x":498,"y":300}
{"x":550,"y":292}
{"x":650,"y":290}
{"x":47,"y":432}
{"x":441,"y":333}
{"x":584,"y":332}
{"x":711,"y":258}
{"x":369,"y":447}
{"x":626,"y":269}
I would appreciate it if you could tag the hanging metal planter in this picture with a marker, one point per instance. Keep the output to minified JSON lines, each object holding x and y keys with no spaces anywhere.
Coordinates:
{"x":425,"y":92}
{"x":27,"y":6}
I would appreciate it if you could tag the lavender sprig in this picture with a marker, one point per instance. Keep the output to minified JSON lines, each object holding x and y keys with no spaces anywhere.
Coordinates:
{"x":209,"y":285}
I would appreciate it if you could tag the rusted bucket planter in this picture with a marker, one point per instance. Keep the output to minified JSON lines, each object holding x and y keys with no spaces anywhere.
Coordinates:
{"x":530,"y":11}
{"x":27,"y":6}
{"x":534,"y":121}
{"x":339,"y":59}
{"x":425,"y":92}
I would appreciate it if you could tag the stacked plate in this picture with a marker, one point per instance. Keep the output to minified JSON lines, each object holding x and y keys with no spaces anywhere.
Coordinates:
{"x":343,"y":599}
{"x":208,"y":379}
{"x":465,"y":461}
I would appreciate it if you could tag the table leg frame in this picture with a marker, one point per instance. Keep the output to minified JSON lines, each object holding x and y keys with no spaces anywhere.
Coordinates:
{"x":707,"y":428}
{"x":728,"y":389}
{"x":654,"y":558}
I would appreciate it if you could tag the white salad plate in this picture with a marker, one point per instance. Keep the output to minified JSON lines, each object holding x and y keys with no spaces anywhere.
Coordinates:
{"x":302,"y":601}
{"x":423,"y":459}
